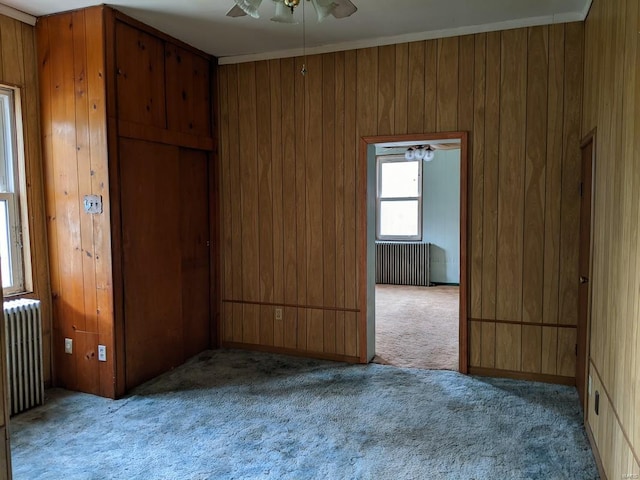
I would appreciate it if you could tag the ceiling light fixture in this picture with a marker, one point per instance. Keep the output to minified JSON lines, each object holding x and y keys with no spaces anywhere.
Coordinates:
{"x":285,"y":9}
{"x":420,"y":153}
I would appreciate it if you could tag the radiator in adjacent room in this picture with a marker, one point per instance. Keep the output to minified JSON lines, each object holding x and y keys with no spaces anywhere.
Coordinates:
{"x":23,"y":327}
{"x":402,"y":263}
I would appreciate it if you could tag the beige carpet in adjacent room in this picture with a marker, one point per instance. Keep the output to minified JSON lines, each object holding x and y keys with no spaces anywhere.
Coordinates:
{"x":417,"y":326}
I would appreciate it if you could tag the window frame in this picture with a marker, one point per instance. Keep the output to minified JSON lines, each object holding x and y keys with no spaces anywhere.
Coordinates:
{"x":17,"y":199}
{"x":381,"y":160}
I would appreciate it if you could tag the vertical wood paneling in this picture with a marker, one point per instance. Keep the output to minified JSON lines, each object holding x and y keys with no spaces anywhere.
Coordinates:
{"x":532,"y":349}
{"x":549,"y":362}
{"x":300,"y":133}
{"x":265,"y":187}
{"x":247,"y":160}
{"x":329,"y":198}
{"x":447,"y":85}
{"x":570,"y":210}
{"x":508,"y":346}
{"x":350,"y":157}
{"x":314,"y":183}
{"x":490,"y":207}
{"x":535,"y":177}
{"x":237,"y":258}
{"x":416,"y":89}
{"x":475,"y":344}
{"x":19,"y":67}
{"x":511,"y":175}
{"x":508,"y":90}
{"x":477,"y":176}
{"x":431,"y":95}
{"x":140,"y":91}
{"x":490,"y":201}
{"x":65,"y":197}
{"x":553,"y":185}
{"x":275,"y":108}
{"x":611,"y":105}
{"x":386,"y":72}
{"x":187,"y":76}
{"x":339,"y":152}
{"x":289,"y":200}
{"x":249,"y":200}
{"x":226,"y":232}
{"x":401,"y":98}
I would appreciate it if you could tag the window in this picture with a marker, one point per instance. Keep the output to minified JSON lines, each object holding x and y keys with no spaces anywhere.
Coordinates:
{"x":11,"y":167}
{"x":399,"y":199}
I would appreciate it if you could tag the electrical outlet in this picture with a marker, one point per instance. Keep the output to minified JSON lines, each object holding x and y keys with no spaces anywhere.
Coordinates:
{"x":102,"y":353}
{"x":68,"y":346}
{"x":93,"y":204}
{"x":278,"y":314}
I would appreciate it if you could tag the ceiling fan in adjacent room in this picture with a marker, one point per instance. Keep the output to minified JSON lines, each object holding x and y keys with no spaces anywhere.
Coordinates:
{"x":284,"y":9}
{"x":420,"y":152}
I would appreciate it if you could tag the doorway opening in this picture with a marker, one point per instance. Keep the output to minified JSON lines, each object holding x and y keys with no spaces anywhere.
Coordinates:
{"x":415,"y":268}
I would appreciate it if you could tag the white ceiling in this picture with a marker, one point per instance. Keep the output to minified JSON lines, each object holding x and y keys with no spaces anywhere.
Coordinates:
{"x":203,"y":24}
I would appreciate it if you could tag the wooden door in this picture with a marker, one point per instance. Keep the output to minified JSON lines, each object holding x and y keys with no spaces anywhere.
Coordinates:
{"x":150,"y":205}
{"x":194,"y":241}
{"x":582,"y":350}
{"x":5,"y":450}
{"x":165,"y":238}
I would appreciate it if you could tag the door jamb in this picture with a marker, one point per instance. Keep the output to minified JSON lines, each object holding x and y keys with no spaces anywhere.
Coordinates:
{"x":362,"y":198}
{"x":589,"y":138}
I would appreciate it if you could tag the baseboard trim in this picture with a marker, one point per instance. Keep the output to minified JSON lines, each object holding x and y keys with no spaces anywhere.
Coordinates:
{"x":595,"y":451}
{"x":291,"y":351}
{"x":534,"y":377}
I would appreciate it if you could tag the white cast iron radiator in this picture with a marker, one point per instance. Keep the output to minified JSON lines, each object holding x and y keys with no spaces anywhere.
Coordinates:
{"x":23,"y":327}
{"x":402,"y":263}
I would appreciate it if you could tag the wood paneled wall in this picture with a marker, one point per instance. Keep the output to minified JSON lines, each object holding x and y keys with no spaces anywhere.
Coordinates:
{"x":612,"y":106}
{"x":288,"y":151}
{"x":18,"y":68}
{"x":74,"y":132}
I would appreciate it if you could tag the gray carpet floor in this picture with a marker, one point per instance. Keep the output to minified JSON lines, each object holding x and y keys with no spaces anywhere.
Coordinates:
{"x":243,"y":415}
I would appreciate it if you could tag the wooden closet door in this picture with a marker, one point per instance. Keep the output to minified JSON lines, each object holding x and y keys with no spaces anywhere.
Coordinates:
{"x":194,"y":240}
{"x":165,"y":237}
{"x":150,"y":205}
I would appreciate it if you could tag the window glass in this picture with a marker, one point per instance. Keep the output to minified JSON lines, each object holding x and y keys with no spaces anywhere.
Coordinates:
{"x":399,"y":199}
{"x":11,"y":229}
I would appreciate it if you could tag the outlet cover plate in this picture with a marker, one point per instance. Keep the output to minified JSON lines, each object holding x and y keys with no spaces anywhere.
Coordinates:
{"x":102,"y":353}
{"x":68,"y":346}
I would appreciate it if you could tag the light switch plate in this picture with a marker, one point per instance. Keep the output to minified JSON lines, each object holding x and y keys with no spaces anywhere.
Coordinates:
{"x":93,"y":204}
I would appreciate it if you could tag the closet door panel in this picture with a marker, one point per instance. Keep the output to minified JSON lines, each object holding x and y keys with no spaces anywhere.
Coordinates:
{"x":152,"y":260}
{"x":195,"y":247}
{"x":140,"y":80}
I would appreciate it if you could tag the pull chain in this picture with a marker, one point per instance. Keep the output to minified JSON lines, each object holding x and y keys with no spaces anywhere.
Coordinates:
{"x":304,"y":41}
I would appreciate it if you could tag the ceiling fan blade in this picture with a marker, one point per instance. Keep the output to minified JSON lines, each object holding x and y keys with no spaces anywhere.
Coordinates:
{"x":250,"y":7}
{"x":236,"y":11}
{"x":323,"y":8}
{"x":343,"y":8}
